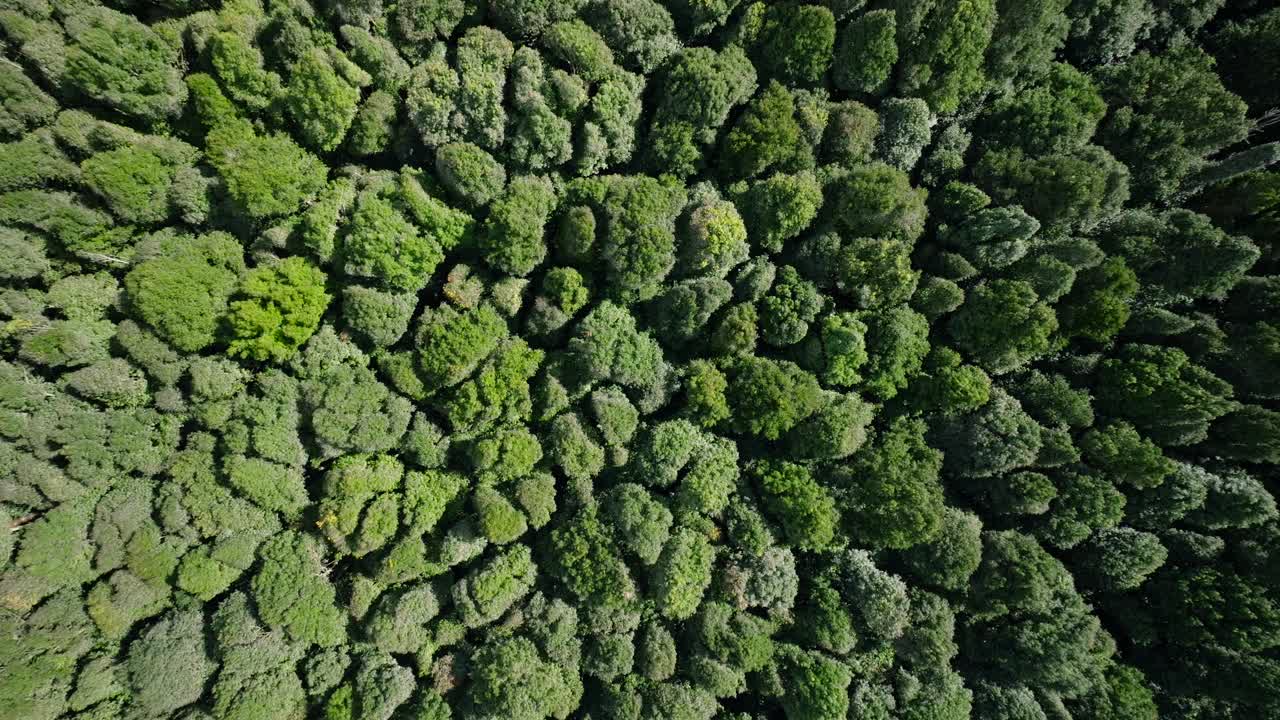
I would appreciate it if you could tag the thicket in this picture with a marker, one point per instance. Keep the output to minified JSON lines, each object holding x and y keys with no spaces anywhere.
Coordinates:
{"x":639,"y":360}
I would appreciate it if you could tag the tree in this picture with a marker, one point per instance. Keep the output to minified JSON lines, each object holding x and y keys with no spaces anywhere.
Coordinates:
{"x":282,"y":307}
{"x":682,"y":573}
{"x":1125,"y":456}
{"x":637,"y":216}
{"x":788,"y":308}
{"x":1231,"y":498}
{"x":490,"y":589}
{"x":779,"y":208}
{"x":1003,"y":325}
{"x":1084,"y":504}
{"x":1108,"y":32}
{"x":512,"y":235}
{"x":116,"y":60}
{"x":135,"y":183}
{"x":850,"y":134}
{"x":512,"y":679}
{"x":641,"y":31}
{"x":817,"y":687}
{"x":1203,"y":605}
{"x":1163,"y":147}
{"x":1243,"y":51}
{"x":1249,"y":434}
{"x":292,"y":593}
{"x":866,"y":53}
{"x":321,"y":101}
{"x":26,"y":106}
{"x":897,"y":343}
{"x":268,"y":175}
{"x":996,"y":438}
{"x":805,"y":510}
{"x":765,"y":136}
{"x":906,"y":126}
{"x":1162,"y":393}
{"x":793,"y":43}
{"x":470,"y":173}
{"x":878,"y":201}
{"x":679,"y":314}
{"x":1026,"y":38}
{"x":184,"y":292}
{"x":943,"y":61}
{"x":994,"y":238}
{"x":359,"y":510}
{"x":1065,"y":191}
{"x":381,"y":244}
{"x":258,"y":678}
{"x":1098,"y":305}
{"x":641,"y":522}
{"x":872,"y":273}
{"x":1119,"y":559}
{"x":168,"y":664}
{"x":607,"y":346}
{"x":530,"y":18}
{"x":714,"y":240}
{"x":1179,"y":254}
{"x":836,"y":430}
{"x":698,"y":90}
{"x":452,"y":343}
{"x":585,"y":559}
{"x":1052,"y":400}
{"x":890,"y":494}
{"x":1059,"y":113}
{"x":769,"y":397}
{"x":379,"y":316}
{"x":948,"y":559}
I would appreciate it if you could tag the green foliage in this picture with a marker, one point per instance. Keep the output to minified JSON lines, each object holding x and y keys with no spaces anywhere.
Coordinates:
{"x":1208,"y":261}
{"x":890,"y":494}
{"x":135,"y":183}
{"x":1098,"y":305}
{"x":877,"y":201}
{"x":182,"y":293}
{"x":866,"y":53}
{"x":1162,"y":393}
{"x":168,"y":665}
{"x":380,"y":243}
{"x":512,"y":679}
{"x":267,"y":175}
{"x":116,"y":60}
{"x":281,"y":307}
{"x":765,"y":136}
{"x":996,"y":438}
{"x":768,"y":397}
{"x":1160,"y":147}
{"x":943,"y":62}
{"x":485,"y":593}
{"x":682,"y":573}
{"x":689,"y":360}
{"x":292,"y":593}
{"x":1125,"y":456}
{"x":512,"y":235}
{"x":779,"y":208}
{"x":897,"y":343}
{"x":320,"y":100}
{"x":804,"y":509}
{"x":1061,"y":112}
{"x":1003,"y":325}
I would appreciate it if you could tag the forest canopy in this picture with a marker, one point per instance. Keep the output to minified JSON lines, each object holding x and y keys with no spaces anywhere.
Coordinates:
{"x":639,"y":360}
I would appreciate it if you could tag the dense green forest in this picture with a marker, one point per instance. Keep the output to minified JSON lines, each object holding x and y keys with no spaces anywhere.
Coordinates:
{"x":639,"y":359}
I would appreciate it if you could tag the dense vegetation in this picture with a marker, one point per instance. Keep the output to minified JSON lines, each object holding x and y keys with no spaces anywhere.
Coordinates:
{"x":639,"y":360}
